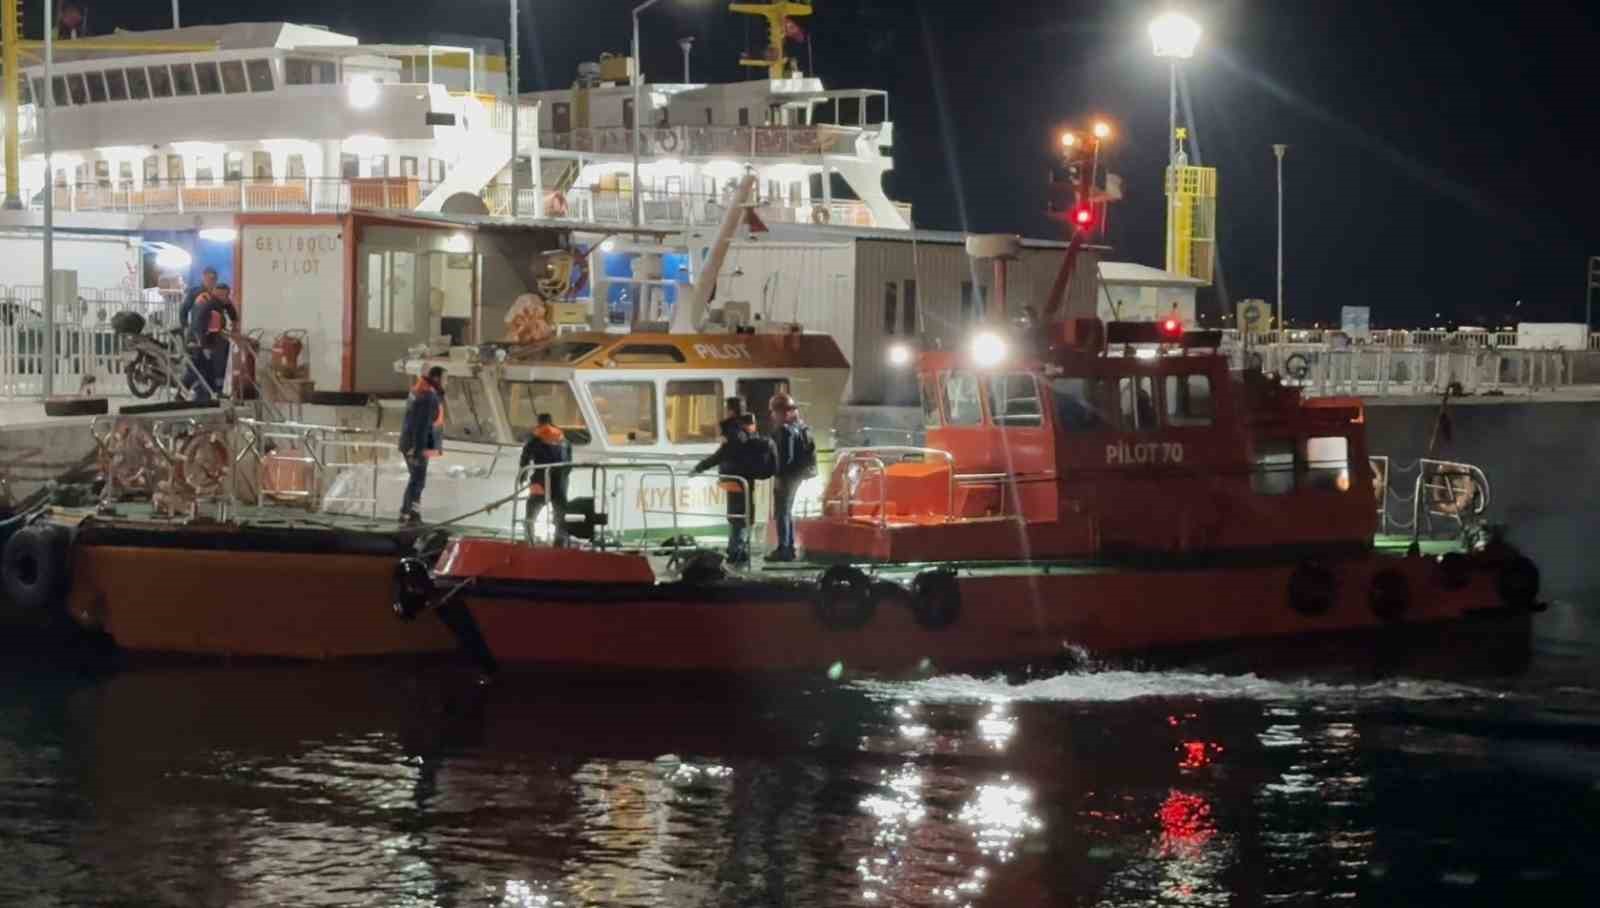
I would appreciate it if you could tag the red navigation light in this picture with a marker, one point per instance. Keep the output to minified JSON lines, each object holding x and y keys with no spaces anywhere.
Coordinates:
{"x":1171,"y":327}
{"x":1083,"y":216}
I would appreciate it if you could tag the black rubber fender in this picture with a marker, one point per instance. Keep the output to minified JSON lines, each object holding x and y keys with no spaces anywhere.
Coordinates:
{"x":338,"y":398}
{"x":1313,"y":589}
{"x":1518,"y":584}
{"x":413,"y":589}
{"x":76,"y":406}
{"x":936,"y":599}
{"x":1389,"y":595}
{"x":35,"y":568}
{"x":845,"y":600}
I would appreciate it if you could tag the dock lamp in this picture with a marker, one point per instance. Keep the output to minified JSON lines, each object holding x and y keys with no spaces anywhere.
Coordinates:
{"x":900,"y":355}
{"x":1173,"y":37}
{"x":988,"y":348}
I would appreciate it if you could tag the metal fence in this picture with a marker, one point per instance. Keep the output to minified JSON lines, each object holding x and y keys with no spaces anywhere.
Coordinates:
{"x":1321,"y":370}
{"x":86,"y":346}
{"x":661,"y":207}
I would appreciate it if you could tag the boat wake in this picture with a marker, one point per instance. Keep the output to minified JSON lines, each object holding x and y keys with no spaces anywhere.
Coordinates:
{"x":1119,"y":686}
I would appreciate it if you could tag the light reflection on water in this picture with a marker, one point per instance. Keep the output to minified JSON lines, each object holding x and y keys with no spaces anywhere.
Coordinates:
{"x":338,"y":787}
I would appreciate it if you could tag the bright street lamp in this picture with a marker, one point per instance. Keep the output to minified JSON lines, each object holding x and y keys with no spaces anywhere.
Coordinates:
{"x":1102,"y":130}
{"x":1069,"y":139}
{"x":1174,"y":35}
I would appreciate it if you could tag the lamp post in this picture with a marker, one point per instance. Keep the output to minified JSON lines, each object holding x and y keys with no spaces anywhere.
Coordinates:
{"x":638,"y":85}
{"x":1173,"y":37}
{"x":48,"y":370}
{"x":687,"y":44}
{"x":512,"y":82}
{"x":1278,"y":151}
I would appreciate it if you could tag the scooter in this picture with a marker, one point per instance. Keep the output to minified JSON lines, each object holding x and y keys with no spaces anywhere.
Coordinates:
{"x":159,"y":360}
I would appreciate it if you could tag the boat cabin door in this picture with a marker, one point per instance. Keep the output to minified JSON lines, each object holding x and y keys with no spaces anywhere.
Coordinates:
{"x":758,"y":393}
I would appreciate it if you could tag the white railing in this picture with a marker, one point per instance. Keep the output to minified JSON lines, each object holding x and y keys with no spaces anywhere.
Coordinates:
{"x":86,"y":346}
{"x":592,"y":205}
{"x":314,"y":195}
{"x":1320,"y":370}
{"x":709,"y":141}
{"x":1392,"y":338}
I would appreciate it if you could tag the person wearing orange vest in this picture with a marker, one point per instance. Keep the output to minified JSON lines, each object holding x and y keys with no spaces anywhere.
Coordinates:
{"x":421,"y":438}
{"x":548,"y":445}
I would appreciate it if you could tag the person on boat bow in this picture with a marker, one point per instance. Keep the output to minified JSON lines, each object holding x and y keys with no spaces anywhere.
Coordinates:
{"x":797,"y":462}
{"x":212,"y":309}
{"x":421,"y":438}
{"x":745,"y":454}
{"x":548,"y":445}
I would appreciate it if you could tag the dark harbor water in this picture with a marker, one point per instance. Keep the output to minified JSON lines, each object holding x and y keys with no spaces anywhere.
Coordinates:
{"x":315,"y":786}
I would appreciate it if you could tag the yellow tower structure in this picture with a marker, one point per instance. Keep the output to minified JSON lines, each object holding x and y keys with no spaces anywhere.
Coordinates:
{"x":10,"y":59}
{"x":1191,"y":219}
{"x":775,"y":12}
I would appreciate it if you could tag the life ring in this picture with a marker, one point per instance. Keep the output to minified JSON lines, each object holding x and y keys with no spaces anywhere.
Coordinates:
{"x":1313,"y":589}
{"x":1518,"y":584}
{"x":130,"y":455}
{"x":820,"y":214}
{"x":667,"y":139}
{"x":413,"y":589}
{"x":1454,"y":492}
{"x":556,"y":205}
{"x":1390,"y":595}
{"x":1455,"y":571}
{"x":205,"y":460}
{"x":33,"y":568}
{"x":936,"y":599}
{"x":844,"y":599}
{"x":1297,"y":366}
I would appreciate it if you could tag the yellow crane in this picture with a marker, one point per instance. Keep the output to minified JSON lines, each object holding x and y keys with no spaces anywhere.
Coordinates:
{"x":775,"y":12}
{"x":10,"y":59}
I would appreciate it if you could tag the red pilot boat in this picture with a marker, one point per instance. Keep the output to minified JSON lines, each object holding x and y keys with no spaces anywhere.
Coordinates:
{"x":1114,"y":489}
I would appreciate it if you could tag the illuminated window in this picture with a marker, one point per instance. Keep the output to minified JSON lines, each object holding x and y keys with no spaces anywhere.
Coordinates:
{"x":1189,"y":400}
{"x":1327,"y":464}
{"x":175,"y":168}
{"x":1014,"y":400}
{"x":1136,"y":399}
{"x":627,"y":411}
{"x":233,"y":166}
{"x":961,"y":399}
{"x":694,"y":411}
{"x":527,"y":399}
{"x":260,"y":165}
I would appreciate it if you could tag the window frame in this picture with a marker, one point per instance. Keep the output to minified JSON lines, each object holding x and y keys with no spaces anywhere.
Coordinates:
{"x":92,"y":80}
{"x":1177,"y":387}
{"x":138,"y":79}
{"x":523,"y":432}
{"x":78,"y":89}
{"x":230,"y":69}
{"x":258,"y":72}
{"x":160,"y":82}
{"x":1005,"y":420}
{"x":116,"y":85}
{"x":945,"y":379}
{"x":629,"y":439}
{"x":183,"y":77}
{"x":715,"y":397}
{"x":1128,"y":408}
{"x":204,"y":70}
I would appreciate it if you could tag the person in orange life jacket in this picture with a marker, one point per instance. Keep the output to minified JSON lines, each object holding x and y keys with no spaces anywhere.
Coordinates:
{"x":737,"y":427}
{"x":548,"y":445}
{"x":421,"y":437}
{"x":796,"y":462}
{"x":206,"y":333}
{"x":208,"y":282}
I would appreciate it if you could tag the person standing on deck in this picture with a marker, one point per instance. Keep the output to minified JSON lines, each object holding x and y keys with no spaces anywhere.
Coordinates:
{"x":202,"y":290}
{"x":796,"y":462}
{"x":421,"y":438}
{"x":206,"y":331}
{"x":548,"y":445}
{"x":739,"y":457}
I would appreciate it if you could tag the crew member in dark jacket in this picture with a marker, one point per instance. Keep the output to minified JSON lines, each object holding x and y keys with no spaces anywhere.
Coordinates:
{"x":728,"y":462}
{"x":548,"y":445}
{"x":421,"y":437}
{"x":797,"y":462}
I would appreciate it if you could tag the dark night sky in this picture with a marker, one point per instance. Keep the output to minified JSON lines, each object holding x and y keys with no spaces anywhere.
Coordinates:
{"x":1442,"y":154}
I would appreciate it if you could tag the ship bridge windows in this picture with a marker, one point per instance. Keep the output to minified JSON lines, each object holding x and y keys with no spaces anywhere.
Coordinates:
{"x":260,"y":72}
{"x":233,"y":81}
{"x":183,"y":80}
{"x":467,"y":414}
{"x":525,"y":400}
{"x":97,"y":87}
{"x":1080,"y":403}
{"x":116,"y":85}
{"x":207,"y":78}
{"x":80,"y":94}
{"x":1014,"y":400}
{"x":961,"y":399}
{"x":1189,"y":400}
{"x":58,"y":91}
{"x":930,"y":403}
{"x":626,"y":410}
{"x":694,"y":411}
{"x":160,"y":82}
{"x":647,"y":354}
{"x":138,"y":84}
{"x":1137,"y":402}
{"x":300,"y":71}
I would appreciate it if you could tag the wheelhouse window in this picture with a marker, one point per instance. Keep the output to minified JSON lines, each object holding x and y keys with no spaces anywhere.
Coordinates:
{"x":527,"y":399}
{"x":80,"y":94}
{"x":627,"y":411}
{"x":1273,"y":470}
{"x":1136,"y":399}
{"x":1327,"y":464}
{"x":435,"y":170}
{"x":648,"y":354}
{"x":207,"y":77}
{"x":565,"y":352}
{"x":298,"y":71}
{"x":116,"y":85}
{"x":233,"y":81}
{"x":1014,"y":400}
{"x":961,"y":399}
{"x":930,"y":403}
{"x":233,"y":166}
{"x":466,"y":413}
{"x":160,"y":82}
{"x":58,"y":91}
{"x":138,"y":84}
{"x":97,"y":87}
{"x":261,"y":74}
{"x":1189,"y":400}
{"x":694,"y":411}
{"x":183,"y":80}
{"x":1079,"y":404}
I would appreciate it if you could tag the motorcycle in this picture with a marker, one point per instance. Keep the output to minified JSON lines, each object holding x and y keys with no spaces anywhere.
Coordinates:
{"x":159,"y":360}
